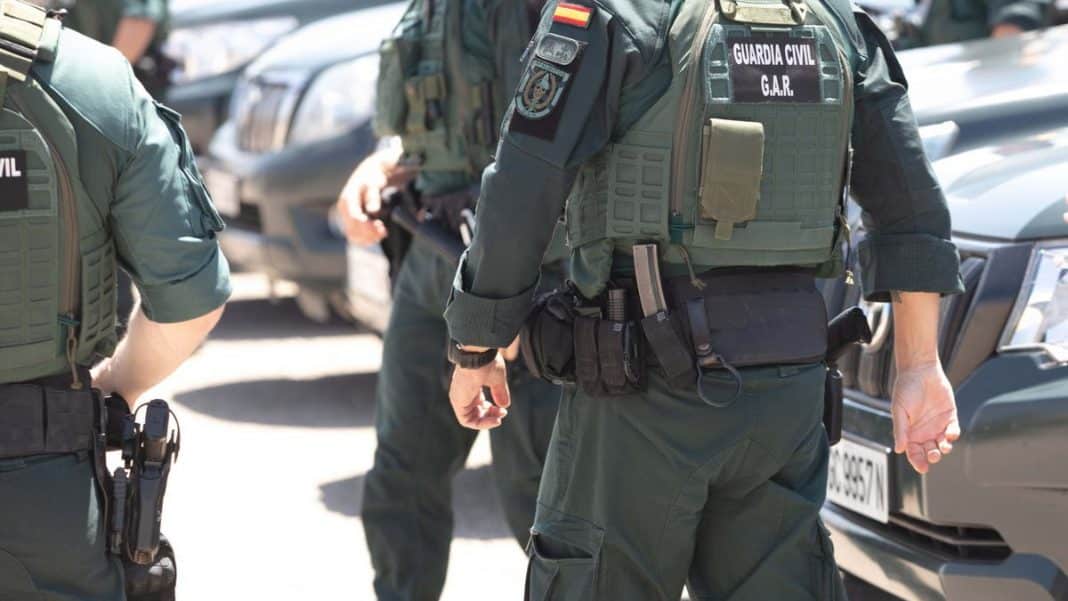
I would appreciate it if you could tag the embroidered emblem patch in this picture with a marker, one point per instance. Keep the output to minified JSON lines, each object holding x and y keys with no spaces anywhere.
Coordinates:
{"x":573,"y":14}
{"x":558,"y":49}
{"x":541,"y":89}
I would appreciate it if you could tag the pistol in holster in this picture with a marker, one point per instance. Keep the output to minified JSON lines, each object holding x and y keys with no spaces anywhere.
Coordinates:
{"x":849,"y":328}
{"x":137,"y":488}
{"x":407,"y":218}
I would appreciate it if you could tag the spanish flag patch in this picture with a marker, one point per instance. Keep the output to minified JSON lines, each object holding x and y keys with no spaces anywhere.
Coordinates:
{"x":573,"y":14}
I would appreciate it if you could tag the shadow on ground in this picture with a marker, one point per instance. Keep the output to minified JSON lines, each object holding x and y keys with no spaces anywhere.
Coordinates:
{"x":474,"y":499}
{"x":261,"y":319}
{"x":330,"y":402}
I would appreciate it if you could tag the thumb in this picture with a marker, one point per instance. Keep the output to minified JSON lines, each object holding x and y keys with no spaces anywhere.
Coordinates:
{"x":498,"y":385}
{"x":372,"y":200}
{"x":901,"y":427}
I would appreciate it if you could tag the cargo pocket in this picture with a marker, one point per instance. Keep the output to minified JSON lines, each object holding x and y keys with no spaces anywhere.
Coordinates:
{"x":731,"y":171}
{"x":827,"y":582}
{"x":15,"y":580}
{"x":559,"y":571}
{"x":210,"y":221}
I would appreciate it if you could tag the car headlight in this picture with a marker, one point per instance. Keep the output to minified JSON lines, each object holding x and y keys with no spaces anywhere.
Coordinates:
{"x":223,"y":47}
{"x":1040,"y":319}
{"x":339,"y":98}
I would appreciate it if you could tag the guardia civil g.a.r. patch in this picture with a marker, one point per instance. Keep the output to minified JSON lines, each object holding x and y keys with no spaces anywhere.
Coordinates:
{"x":544,"y":86}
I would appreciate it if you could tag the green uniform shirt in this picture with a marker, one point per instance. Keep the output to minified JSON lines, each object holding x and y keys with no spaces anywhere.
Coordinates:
{"x":99,"y":19}
{"x":622,"y":73}
{"x":950,"y":21}
{"x":138,"y":168}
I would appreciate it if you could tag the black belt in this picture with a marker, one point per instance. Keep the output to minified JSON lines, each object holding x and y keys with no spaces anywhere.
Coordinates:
{"x":45,"y":416}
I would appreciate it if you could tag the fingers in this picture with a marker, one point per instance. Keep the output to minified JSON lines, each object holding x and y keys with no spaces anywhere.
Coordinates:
{"x":931,"y":452}
{"x":471,"y":408}
{"x":917,"y":456}
{"x":372,"y":200}
{"x":901,"y":427}
{"x":498,"y":383}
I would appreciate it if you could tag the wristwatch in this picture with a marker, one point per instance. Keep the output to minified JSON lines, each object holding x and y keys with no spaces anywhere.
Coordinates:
{"x":468,"y":359}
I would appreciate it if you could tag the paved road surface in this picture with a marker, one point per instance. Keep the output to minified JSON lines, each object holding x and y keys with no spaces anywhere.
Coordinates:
{"x":277,"y":418}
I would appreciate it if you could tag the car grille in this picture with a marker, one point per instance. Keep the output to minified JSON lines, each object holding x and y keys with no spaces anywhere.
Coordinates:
{"x":960,"y":542}
{"x":262,"y":111}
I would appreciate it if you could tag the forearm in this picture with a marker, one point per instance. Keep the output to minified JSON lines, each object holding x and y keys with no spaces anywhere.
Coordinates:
{"x":916,"y":317}
{"x":133,"y":37}
{"x":150,"y":352}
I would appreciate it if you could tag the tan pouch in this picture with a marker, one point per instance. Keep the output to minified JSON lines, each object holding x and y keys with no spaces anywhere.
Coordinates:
{"x":731,"y":170}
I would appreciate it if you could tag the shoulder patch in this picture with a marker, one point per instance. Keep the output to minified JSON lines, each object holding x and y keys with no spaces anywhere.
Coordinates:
{"x":575,"y":15}
{"x":559,"y":49}
{"x":542,"y":87}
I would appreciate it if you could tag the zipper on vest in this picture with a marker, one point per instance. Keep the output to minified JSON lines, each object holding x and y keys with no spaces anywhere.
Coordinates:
{"x":683,"y":125}
{"x":71,"y":275}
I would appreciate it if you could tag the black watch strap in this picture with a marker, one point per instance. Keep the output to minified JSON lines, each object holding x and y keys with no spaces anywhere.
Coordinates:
{"x":470,"y":360}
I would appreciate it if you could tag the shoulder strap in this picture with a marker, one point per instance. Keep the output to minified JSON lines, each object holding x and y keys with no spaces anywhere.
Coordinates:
{"x":22,"y":28}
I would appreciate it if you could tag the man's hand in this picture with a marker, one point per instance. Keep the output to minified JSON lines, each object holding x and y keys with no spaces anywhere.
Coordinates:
{"x":925,"y":416}
{"x":473,"y":410}
{"x":923,"y":406}
{"x":361,"y":198}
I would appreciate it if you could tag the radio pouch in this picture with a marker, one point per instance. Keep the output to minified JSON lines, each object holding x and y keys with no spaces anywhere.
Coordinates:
{"x":731,"y":171}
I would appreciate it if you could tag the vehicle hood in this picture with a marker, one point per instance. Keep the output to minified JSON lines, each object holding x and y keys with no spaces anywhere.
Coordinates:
{"x":1012,"y":190}
{"x":988,"y":79}
{"x":330,"y":40}
{"x":193,"y":13}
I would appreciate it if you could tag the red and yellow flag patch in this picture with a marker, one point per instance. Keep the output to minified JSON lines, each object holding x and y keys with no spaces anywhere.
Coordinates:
{"x":573,"y":14}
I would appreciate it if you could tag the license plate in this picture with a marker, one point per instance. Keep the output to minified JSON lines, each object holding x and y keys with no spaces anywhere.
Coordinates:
{"x":857,"y":480}
{"x":223,"y":188}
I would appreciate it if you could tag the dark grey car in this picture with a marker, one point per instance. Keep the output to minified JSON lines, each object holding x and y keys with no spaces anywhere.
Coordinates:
{"x":990,"y":523}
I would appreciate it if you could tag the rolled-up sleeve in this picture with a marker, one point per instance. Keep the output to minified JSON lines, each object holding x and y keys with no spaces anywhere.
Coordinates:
{"x":524,"y":191}
{"x":152,"y":10}
{"x":164,"y":222}
{"x":1025,"y":14}
{"x":908,"y":246}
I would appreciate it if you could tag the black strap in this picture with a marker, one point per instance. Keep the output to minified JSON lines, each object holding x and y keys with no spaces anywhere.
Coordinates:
{"x":699,"y":330}
{"x":668,"y":346}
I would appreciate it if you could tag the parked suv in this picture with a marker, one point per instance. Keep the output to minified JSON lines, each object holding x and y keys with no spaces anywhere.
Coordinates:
{"x":214,"y":41}
{"x":300,"y":123}
{"x":989,"y":523}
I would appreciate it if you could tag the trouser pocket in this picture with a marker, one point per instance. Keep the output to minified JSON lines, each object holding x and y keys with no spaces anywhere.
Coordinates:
{"x":827,"y":580}
{"x":15,"y":580}
{"x":558,"y":572}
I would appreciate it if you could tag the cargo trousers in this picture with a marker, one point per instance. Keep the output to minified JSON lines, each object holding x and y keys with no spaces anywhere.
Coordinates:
{"x":646,"y":493}
{"x":52,"y":533}
{"x":407,"y":503}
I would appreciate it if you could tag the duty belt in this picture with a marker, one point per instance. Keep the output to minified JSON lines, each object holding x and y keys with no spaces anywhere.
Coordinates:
{"x":41,"y":418}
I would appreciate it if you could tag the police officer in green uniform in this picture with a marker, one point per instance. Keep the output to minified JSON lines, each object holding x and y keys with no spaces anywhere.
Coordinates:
{"x":700,"y":151}
{"x":947,"y":21}
{"x":93,"y":173}
{"x":446,"y":78}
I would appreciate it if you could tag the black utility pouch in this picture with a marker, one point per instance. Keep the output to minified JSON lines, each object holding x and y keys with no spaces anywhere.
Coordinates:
{"x":663,"y":332}
{"x":547,"y":339}
{"x":833,"y":397}
{"x":609,"y":357}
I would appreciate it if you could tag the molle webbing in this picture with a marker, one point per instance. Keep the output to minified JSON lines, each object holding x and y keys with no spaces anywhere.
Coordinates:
{"x":40,"y":420}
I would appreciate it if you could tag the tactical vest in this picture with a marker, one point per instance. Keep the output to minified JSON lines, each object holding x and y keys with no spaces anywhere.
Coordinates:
{"x":57,"y":260}
{"x":437,"y":98}
{"x":742,"y":161}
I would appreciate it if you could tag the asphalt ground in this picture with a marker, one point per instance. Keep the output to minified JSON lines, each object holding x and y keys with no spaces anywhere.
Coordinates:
{"x":277,"y":430}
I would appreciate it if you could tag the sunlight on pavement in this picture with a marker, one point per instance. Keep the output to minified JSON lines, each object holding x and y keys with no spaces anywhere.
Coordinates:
{"x":277,"y":424}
